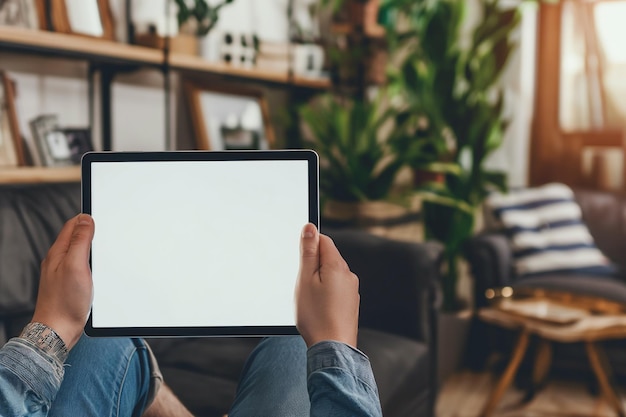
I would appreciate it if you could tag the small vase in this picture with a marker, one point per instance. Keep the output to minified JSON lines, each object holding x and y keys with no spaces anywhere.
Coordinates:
{"x":209,"y":46}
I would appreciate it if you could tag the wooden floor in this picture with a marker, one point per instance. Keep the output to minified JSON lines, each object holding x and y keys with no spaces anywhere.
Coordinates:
{"x":464,"y":394}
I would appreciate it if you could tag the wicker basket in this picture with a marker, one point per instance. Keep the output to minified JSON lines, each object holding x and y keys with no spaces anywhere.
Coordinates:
{"x":380,"y":218}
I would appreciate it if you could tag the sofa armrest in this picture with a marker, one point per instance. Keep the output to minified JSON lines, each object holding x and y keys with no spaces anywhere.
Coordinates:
{"x":398,"y":282}
{"x":491,"y":261}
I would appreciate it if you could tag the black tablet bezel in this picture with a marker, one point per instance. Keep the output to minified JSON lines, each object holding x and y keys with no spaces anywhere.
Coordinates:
{"x":239,"y":331}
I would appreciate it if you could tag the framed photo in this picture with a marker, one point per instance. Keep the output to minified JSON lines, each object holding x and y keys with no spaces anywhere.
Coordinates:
{"x":79,"y":142}
{"x":11,"y":151}
{"x":228,"y":117}
{"x":30,"y":14}
{"x":54,"y":149}
{"x":83,"y":17}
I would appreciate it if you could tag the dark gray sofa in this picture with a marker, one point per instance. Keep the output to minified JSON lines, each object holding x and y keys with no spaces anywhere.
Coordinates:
{"x":398,"y":287}
{"x":491,"y":261}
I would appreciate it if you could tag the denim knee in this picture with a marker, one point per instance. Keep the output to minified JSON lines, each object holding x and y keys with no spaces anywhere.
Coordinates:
{"x":105,"y":377}
{"x":273,"y":382}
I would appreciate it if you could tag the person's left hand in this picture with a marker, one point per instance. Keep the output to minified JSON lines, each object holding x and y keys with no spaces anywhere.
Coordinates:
{"x":65,"y":288}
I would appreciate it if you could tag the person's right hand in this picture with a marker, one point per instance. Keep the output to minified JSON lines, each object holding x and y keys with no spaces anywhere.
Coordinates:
{"x":327,"y":293}
{"x":65,"y":288}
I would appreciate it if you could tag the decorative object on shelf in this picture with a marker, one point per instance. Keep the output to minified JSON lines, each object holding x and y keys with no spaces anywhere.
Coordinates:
{"x":11,"y":151}
{"x":186,"y":25}
{"x":79,"y":142}
{"x":30,"y":14}
{"x":153,"y":16}
{"x":155,"y":20}
{"x":238,"y":49}
{"x":306,"y":59}
{"x":52,"y":144}
{"x":199,"y":19}
{"x":83,"y":17}
{"x":228,"y":117}
{"x":10,"y":142}
{"x":357,"y":49}
{"x":273,"y":56}
{"x":180,"y":44}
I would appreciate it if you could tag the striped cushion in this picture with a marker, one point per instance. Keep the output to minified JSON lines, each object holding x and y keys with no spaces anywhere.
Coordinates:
{"x":547,"y":232}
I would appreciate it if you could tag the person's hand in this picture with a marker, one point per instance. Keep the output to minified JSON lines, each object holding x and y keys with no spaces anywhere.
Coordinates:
{"x":327,"y":293}
{"x":65,"y":288}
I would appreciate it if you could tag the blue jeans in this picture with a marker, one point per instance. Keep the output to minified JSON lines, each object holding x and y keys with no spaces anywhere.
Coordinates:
{"x":104,"y":377}
{"x":111,"y":377}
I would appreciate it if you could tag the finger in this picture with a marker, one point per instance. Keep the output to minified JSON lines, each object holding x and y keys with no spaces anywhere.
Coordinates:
{"x":80,"y":241}
{"x":62,"y":243}
{"x":309,"y":250}
{"x":329,"y":254}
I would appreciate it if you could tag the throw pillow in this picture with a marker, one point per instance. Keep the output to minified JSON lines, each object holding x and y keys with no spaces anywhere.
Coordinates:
{"x":547,"y":232}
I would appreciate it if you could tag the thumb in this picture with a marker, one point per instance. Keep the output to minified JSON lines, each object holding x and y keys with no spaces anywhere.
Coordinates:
{"x":309,"y":250}
{"x":80,"y":241}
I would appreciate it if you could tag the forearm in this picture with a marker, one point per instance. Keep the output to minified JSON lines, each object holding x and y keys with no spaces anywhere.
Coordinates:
{"x":341,"y":382}
{"x":29,"y":377}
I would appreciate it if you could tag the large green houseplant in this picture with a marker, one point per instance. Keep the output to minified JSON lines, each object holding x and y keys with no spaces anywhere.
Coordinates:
{"x":357,"y":164}
{"x":451,"y":83}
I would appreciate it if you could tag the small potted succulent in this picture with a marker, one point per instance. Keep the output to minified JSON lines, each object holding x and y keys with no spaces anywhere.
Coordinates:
{"x":200,"y":18}
{"x":196,"y":19}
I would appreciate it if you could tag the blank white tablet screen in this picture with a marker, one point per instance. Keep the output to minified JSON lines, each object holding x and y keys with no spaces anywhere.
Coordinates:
{"x":197,"y":243}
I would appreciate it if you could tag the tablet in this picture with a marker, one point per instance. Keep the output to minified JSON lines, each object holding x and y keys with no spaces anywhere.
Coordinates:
{"x":197,"y":243}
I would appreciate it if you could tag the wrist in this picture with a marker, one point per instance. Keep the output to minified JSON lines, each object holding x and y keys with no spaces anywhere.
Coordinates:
{"x":70,"y":333}
{"x":46,"y":339}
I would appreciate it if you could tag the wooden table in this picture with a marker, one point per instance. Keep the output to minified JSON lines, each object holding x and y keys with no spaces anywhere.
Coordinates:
{"x":590,"y":329}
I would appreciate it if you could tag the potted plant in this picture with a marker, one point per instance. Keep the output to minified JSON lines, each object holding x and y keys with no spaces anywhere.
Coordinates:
{"x":450,"y":123}
{"x":200,"y":18}
{"x":196,"y":19}
{"x":357,"y":167}
{"x":455,"y":89}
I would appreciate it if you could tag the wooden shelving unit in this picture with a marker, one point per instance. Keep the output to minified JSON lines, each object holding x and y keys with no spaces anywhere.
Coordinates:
{"x":110,"y":57}
{"x":24,"y":175}
{"x":103,"y":51}
{"x":183,"y":62}
{"x":79,"y":47}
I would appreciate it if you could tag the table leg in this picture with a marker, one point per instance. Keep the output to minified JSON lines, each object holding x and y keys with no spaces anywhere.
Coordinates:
{"x":508,"y":375}
{"x":543,"y":360}
{"x":595,"y":353}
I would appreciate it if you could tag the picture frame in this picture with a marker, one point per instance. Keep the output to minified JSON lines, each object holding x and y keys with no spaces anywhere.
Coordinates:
{"x":91,"y":18}
{"x":11,"y":149}
{"x":29,"y":14}
{"x":79,"y":142}
{"x":51,"y":141}
{"x":228,"y":117}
